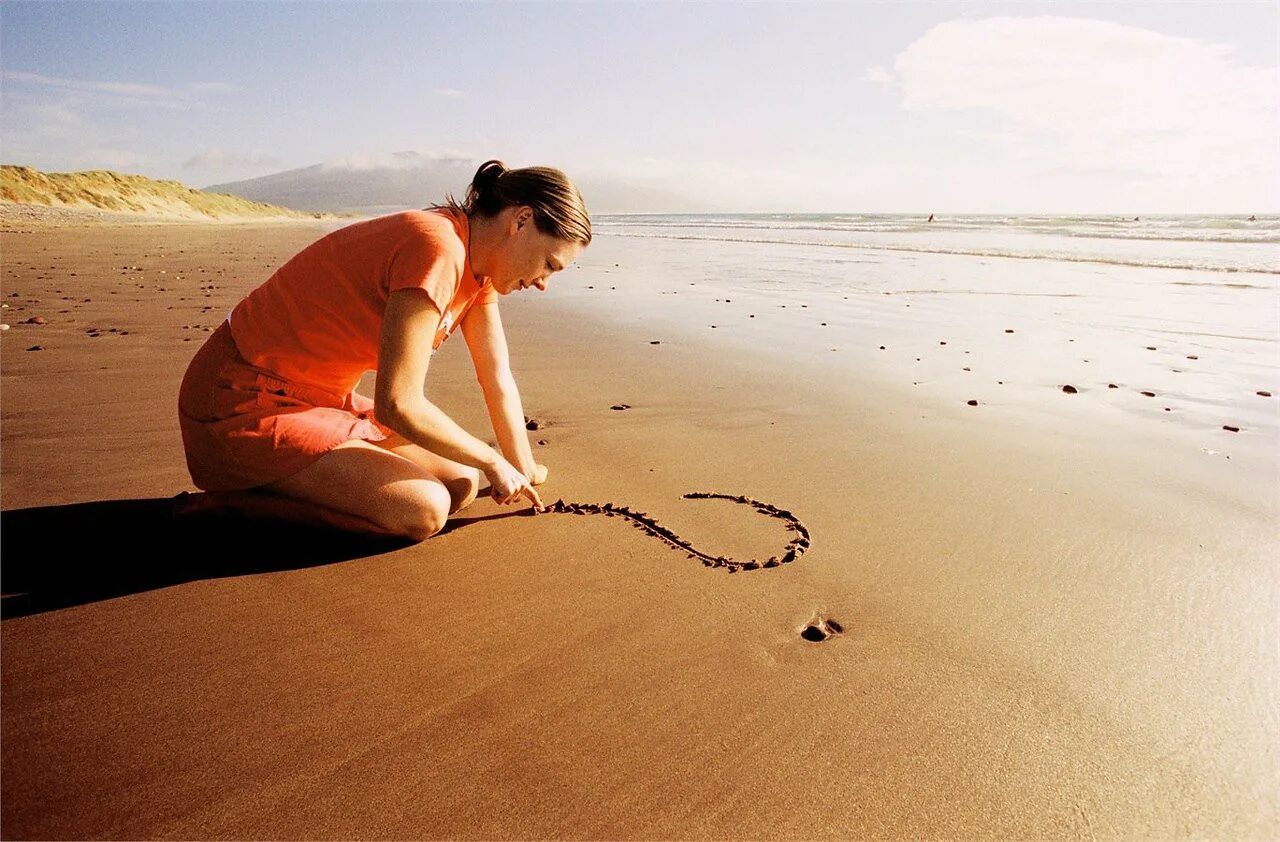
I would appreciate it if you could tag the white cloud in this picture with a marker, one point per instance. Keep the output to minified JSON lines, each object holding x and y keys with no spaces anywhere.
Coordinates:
{"x":407,"y":159}
{"x":129,"y":89}
{"x":56,"y":119}
{"x":62,"y":124}
{"x":218,"y":159}
{"x":878,"y":75}
{"x":722,"y":183}
{"x":58,"y":135}
{"x":106,"y":158}
{"x":128,"y":93}
{"x":449,"y":92}
{"x":1091,"y":95}
{"x":213,"y":87}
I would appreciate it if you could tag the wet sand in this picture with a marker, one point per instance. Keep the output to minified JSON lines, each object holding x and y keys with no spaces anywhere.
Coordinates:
{"x":1034,"y":618}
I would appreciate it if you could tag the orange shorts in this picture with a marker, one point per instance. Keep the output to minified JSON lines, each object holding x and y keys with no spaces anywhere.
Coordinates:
{"x":243,"y":427}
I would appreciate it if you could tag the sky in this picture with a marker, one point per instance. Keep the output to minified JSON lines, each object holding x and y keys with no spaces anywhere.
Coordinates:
{"x":953,"y":107}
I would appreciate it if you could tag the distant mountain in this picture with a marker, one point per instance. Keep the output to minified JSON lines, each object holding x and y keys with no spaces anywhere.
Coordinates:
{"x":403,"y":180}
{"x":105,"y":190}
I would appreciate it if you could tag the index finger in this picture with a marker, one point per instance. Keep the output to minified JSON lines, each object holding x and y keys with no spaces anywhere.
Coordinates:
{"x":532,"y":495}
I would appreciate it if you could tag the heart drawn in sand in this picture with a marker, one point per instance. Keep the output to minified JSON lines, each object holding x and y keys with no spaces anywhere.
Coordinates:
{"x":795,"y":548}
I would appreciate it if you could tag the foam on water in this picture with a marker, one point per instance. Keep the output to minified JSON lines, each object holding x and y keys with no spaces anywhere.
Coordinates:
{"x":1210,"y":243}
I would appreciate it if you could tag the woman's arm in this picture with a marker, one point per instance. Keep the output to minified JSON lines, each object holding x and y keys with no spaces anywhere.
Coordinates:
{"x":482,"y":328}
{"x":403,"y":357}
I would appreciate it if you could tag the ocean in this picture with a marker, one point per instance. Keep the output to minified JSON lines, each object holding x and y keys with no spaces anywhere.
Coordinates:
{"x":1211,"y":243}
{"x":1168,"y":325}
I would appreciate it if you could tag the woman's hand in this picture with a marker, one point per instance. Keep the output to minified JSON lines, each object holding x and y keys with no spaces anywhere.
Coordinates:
{"x":508,"y":485}
{"x":539,"y":474}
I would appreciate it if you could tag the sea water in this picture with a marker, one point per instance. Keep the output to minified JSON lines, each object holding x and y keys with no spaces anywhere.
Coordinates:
{"x":1217,"y":243}
{"x":1004,"y":310}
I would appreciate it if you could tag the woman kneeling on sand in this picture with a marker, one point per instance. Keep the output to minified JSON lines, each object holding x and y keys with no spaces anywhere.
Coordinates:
{"x":271,"y":423}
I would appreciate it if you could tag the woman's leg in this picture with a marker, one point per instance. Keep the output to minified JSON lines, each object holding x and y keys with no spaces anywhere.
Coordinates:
{"x":356,"y":486}
{"x":463,"y":481}
{"x":262,"y":503}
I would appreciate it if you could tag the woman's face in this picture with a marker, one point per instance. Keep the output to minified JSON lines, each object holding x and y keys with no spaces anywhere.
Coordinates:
{"x":527,"y":256}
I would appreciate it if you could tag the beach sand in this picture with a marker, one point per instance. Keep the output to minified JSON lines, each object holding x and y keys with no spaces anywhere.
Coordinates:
{"x":1058,"y":610}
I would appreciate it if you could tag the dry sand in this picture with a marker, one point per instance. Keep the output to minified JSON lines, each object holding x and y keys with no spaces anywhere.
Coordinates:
{"x":1047,"y":629}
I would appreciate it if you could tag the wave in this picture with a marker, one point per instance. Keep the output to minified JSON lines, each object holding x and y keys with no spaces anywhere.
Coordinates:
{"x":1150,"y":262}
{"x":1191,"y":231}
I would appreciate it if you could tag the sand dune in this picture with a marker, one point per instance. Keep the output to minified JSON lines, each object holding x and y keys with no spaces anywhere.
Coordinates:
{"x":117,"y":193}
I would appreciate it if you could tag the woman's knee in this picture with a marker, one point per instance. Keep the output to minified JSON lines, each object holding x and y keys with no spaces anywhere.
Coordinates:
{"x":462,"y":481}
{"x":420,"y":512}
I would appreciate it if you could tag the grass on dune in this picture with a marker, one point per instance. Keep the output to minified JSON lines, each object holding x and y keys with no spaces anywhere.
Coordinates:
{"x":112,"y":191}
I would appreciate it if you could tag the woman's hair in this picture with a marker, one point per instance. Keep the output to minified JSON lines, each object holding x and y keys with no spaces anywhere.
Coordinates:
{"x":557,"y":205}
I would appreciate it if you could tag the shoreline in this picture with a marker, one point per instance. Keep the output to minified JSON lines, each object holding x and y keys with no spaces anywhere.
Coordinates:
{"x":1051,"y":626}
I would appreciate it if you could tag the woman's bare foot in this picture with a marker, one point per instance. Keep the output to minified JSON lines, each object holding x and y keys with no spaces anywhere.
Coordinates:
{"x":186,"y":503}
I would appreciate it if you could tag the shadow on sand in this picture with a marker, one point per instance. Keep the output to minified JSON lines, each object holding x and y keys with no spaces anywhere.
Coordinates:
{"x":61,"y":556}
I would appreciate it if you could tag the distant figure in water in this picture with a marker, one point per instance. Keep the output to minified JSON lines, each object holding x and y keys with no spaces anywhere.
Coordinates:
{"x":930,"y":219}
{"x":1135,"y":219}
{"x":1253,"y":218}
{"x":271,"y":423}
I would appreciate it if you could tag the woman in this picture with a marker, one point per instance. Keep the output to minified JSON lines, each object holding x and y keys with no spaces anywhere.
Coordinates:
{"x":271,"y":424}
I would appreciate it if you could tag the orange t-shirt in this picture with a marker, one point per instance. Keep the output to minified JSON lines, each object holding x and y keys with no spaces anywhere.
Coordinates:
{"x":318,"y":320}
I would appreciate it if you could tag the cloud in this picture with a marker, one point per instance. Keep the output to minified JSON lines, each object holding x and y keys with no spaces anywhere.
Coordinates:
{"x":449,"y":92}
{"x":218,"y":159}
{"x":878,"y":75}
{"x":102,"y":157}
{"x":1087,"y":95}
{"x":408,"y":159}
{"x":65,"y":124}
{"x":113,"y":88}
{"x":56,"y":119}
{"x":130,"y":93}
{"x":213,"y":87}
{"x":60,"y":133}
{"x":36,"y":130}
{"x":721,"y":183}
